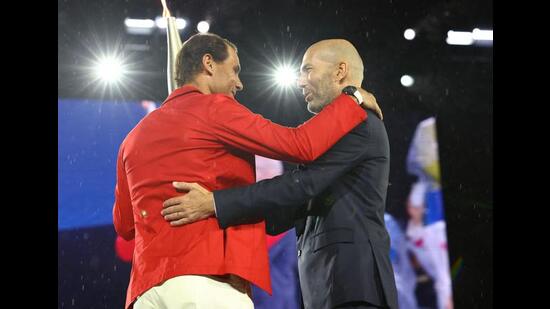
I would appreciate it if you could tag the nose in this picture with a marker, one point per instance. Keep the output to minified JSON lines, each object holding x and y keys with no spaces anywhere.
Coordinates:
{"x":301,"y":81}
{"x":239,"y":85}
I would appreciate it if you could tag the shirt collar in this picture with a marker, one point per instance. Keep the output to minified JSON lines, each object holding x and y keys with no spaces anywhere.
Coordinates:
{"x":185,"y":89}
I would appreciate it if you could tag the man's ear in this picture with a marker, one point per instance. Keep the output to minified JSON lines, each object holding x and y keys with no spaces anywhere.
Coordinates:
{"x":208,"y":64}
{"x":342,"y":71}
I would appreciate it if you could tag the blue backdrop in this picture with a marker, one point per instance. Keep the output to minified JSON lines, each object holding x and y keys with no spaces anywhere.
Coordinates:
{"x":89,"y":134}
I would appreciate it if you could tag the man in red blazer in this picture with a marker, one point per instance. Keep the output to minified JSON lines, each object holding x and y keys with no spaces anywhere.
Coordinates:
{"x":202,"y":134}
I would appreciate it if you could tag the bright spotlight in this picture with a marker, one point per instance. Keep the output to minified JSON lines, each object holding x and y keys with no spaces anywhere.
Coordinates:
{"x":109,"y":69}
{"x":203,"y":26}
{"x":139,"y":26}
{"x":139,"y":23}
{"x":407,"y":80}
{"x":482,"y":35}
{"x":459,"y":38}
{"x":285,"y":76}
{"x":409,"y":34}
{"x":161,"y":23}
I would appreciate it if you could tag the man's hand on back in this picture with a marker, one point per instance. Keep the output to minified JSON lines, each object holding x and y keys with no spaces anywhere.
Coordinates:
{"x":196,"y":205}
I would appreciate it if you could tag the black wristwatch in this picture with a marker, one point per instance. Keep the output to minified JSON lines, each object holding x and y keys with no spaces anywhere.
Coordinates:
{"x":352,"y":90}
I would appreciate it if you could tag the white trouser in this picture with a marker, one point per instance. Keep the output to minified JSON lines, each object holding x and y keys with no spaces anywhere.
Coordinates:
{"x":193,"y":292}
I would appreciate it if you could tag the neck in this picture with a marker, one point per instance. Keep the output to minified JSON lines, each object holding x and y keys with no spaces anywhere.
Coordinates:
{"x":350,"y":83}
{"x":200,"y":84}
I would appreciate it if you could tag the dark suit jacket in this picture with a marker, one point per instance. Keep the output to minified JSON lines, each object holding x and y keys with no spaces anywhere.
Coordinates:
{"x":337,"y":205}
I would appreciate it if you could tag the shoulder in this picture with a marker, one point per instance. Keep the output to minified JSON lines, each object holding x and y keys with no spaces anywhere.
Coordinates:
{"x":372,"y":117}
{"x":373,"y":124}
{"x":224,"y":103}
{"x":369,"y":133}
{"x":218,"y":98}
{"x":365,"y":127}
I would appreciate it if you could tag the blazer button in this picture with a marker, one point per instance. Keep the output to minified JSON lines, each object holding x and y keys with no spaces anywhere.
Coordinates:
{"x":143,"y":213}
{"x":299,"y":253}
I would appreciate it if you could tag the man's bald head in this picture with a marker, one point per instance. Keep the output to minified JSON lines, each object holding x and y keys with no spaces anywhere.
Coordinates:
{"x":327,"y":67}
{"x":337,"y":51}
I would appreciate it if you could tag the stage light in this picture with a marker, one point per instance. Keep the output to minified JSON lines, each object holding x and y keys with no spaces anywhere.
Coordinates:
{"x":407,"y":80}
{"x":459,"y":38}
{"x":139,"y":23}
{"x":139,"y":26}
{"x":161,"y":23}
{"x":409,"y":34}
{"x":482,"y":35}
{"x":477,"y":37}
{"x":285,"y":76}
{"x":109,"y":69}
{"x":203,"y":26}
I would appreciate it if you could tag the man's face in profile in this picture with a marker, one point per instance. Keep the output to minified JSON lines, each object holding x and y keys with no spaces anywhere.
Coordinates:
{"x":316,"y":81}
{"x":226,"y":75}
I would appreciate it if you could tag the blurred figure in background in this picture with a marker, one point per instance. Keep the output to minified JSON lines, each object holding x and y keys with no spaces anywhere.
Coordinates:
{"x":426,"y":230}
{"x":405,"y":277}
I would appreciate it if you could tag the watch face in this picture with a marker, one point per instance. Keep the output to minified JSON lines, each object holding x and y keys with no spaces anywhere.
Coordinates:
{"x":349,"y":90}
{"x":352,"y":91}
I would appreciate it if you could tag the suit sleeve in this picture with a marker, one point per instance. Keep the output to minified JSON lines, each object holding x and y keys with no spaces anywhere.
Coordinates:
{"x":282,"y":199}
{"x":123,"y":218}
{"x":236,"y":126}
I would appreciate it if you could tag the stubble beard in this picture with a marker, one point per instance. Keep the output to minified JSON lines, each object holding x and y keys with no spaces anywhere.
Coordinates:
{"x":323,"y":99}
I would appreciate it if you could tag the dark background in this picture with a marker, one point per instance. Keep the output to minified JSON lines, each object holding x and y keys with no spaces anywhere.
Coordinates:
{"x":453,"y":83}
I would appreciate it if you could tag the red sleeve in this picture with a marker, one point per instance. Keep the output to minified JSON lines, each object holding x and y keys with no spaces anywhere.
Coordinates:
{"x":237,"y":126}
{"x":123,"y":217}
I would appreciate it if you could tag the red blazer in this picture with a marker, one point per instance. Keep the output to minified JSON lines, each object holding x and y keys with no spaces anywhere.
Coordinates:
{"x":211,"y":140}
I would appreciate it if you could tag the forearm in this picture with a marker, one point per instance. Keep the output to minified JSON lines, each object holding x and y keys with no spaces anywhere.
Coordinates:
{"x":287,"y":193}
{"x":236,"y":126}
{"x":250,"y":204}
